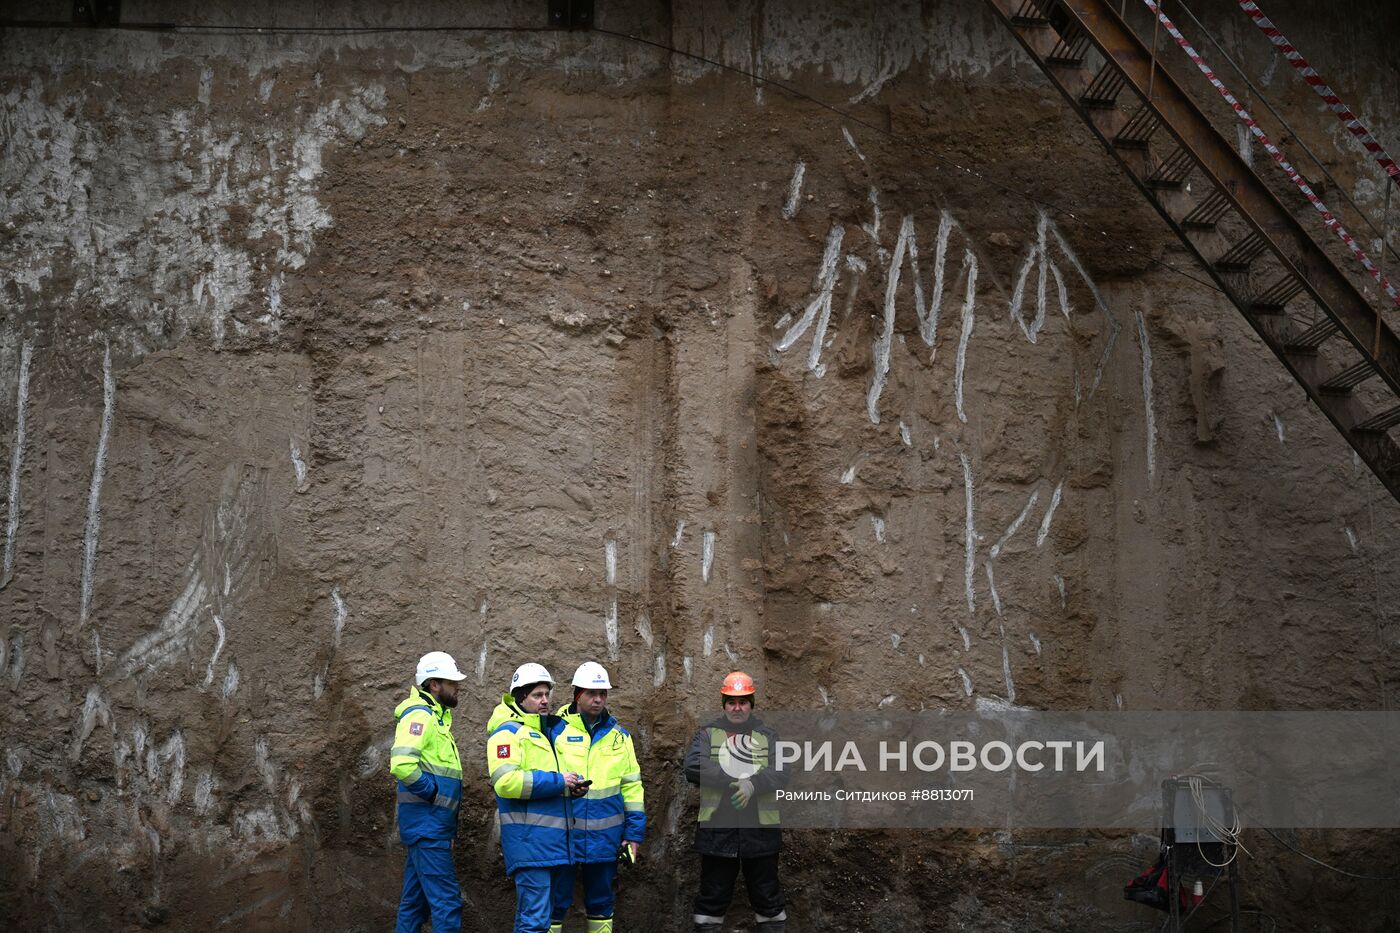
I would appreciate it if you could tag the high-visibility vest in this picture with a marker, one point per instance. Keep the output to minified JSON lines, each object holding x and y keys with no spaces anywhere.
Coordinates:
{"x":531,"y":801}
{"x":710,"y":797}
{"x":613,"y":809}
{"x":426,"y":769}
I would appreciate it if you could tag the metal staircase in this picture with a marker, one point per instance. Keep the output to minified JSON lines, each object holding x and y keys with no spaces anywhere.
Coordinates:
{"x":1305,"y":308}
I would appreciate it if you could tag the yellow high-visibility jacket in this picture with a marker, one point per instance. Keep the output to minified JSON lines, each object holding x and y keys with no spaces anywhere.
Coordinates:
{"x":612,"y":810}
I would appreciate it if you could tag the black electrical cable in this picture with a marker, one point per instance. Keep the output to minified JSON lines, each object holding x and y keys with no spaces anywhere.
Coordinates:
{"x":195,"y":29}
{"x":917,"y":146}
{"x":1341,"y":871}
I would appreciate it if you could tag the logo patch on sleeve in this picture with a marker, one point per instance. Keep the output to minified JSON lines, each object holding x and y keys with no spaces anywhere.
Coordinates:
{"x":415,"y":728}
{"x":502,"y":751}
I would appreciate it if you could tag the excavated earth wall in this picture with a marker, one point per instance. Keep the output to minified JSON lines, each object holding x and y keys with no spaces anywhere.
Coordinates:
{"x":319,"y":351}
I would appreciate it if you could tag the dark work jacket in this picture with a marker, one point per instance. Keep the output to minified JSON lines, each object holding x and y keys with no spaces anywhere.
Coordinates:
{"x":733,"y":833}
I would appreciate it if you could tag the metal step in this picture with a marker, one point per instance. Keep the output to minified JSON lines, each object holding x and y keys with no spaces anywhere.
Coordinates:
{"x":1162,"y":139}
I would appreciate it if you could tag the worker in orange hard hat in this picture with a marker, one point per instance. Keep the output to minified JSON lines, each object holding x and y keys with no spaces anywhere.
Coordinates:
{"x":738,"y":827}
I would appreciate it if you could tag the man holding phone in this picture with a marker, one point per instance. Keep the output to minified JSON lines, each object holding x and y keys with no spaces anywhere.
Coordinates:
{"x":609,"y":822}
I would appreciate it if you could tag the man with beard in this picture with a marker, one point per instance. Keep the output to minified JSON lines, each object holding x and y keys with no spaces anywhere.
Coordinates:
{"x":737,"y":828}
{"x":428,"y":773}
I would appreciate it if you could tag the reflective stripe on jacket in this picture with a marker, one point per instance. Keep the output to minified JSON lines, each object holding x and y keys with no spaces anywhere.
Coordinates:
{"x":426,"y":769}
{"x":530,"y":801}
{"x":613,"y":809}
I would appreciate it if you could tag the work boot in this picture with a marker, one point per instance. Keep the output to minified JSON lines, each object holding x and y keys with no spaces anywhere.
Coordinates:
{"x":776,"y":924}
{"x":600,"y":925}
{"x":556,"y":927}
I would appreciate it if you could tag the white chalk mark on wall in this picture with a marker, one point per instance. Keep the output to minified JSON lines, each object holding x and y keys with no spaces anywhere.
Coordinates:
{"x":223,"y":553}
{"x":1109,"y":319}
{"x":610,"y":627}
{"x":341,"y":614}
{"x":610,"y":561}
{"x":1038,"y":256}
{"x":904,"y":437}
{"x":878,"y":524}
{"x":1278,"y":424}
{"x":851,"y":141}
{"x":1049,"y":515}
{"x":204,"y":789}
{"x":230,"y":681}
{"x":686,"y":667}
{"x":1001,"y":543}
{"x":95,"y":710}
{"x":794,"y":196}
{"x":1006,"y":668}
{"x":16,"y":461}
{"x":960,"y":368}
{"x":299,"y":465}
{"x":928,"y":322}
{"x":1060,"y":585}
{"x":992,"y":585}
{"x":218,"y":647}
{"x":273,"y":318}
{"x":819,"y":309}
{"x":99,"y":467}
{"x":262,"y":762}
{"x":970,"y":538}
{"x":17,"y":661}
{"x":1150,"y":416}
{"x":966,"y":637}
{"x":707,"y":643}
{"x":1015,"y":525}
{"x":1352,"y":539}
{"x":967,"y":681}
{"x":644,"y":628}
{"x":172,"y":755}
{"x":481,"y":661}
{"x":707,"y":555}
{"x":872,"y":229}
{"x":680,"y":530}
{"x":1035,"y":642}
{"x":658,"y":676}
{"x":927,"y":312}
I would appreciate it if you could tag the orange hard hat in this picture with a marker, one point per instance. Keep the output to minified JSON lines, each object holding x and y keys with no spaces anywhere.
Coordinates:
{"x":737,"y":684}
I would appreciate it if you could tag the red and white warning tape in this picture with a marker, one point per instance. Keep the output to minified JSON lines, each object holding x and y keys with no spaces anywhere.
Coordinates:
{"x":1310,"y":75}
{"x":1328,"y":218}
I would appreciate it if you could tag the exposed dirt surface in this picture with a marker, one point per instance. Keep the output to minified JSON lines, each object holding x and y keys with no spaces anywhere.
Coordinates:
{"x":329,"y":351}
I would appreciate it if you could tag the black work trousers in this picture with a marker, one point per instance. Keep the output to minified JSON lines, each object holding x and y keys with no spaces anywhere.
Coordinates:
{"x":717,"y":877}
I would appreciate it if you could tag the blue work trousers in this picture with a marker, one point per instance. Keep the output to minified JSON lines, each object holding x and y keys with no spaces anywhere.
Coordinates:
{"x":532,"y":890}
{"x":430,"y":889}
{"x":597,"y":889}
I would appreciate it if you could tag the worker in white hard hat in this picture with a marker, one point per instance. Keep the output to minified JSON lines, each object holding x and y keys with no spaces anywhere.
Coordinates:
{"x":534,"y":799}
{"x":428,"y":773}
{"x":610,"y":821}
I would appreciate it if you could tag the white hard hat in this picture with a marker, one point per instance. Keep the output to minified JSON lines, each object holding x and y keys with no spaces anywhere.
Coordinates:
{"x":530,"y":673}
{"x":437,"y":664}
{"x":591,"y":676}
